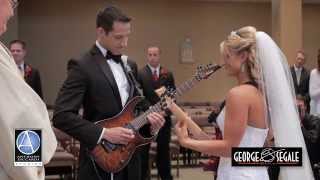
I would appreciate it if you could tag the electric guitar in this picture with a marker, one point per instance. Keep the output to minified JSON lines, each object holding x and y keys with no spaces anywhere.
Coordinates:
{"x":114,"y":157}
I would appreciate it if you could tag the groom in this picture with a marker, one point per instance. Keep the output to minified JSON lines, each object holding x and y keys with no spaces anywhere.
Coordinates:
{"x":100,"y":83}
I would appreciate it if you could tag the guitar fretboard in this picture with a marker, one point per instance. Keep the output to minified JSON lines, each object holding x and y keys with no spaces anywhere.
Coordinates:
{"x":141,"y":120}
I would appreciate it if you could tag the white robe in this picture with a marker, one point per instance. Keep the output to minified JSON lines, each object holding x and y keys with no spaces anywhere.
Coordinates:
{"x":20,"y":107}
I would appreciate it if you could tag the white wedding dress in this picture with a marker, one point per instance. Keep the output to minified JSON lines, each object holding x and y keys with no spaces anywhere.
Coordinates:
{"x":277,"y":86}
{"x":253,"y":137}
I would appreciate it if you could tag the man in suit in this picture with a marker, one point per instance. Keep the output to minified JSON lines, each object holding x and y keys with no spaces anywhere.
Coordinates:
{"x":310,"y":126}
{"x":301,"y":76}
{"x":20,"y":108}
{"x":99,"y":82}
{"x":30,"y":74}
{"x":152,"y":77}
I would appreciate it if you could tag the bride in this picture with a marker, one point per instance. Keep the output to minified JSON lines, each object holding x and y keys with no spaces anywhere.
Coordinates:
{"x":263,"y":97}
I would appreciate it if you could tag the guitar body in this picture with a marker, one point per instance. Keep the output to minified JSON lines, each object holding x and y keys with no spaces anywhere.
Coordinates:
{"x":114,"y":157}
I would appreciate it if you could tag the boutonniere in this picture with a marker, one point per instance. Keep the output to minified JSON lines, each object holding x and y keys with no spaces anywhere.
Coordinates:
{"x":164,"y":73}
{"x":27,"y":71}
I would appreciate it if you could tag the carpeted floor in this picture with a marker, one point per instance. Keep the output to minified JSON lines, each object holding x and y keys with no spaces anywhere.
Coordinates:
{"x":189,"y":174}
{"x":185,"y":174}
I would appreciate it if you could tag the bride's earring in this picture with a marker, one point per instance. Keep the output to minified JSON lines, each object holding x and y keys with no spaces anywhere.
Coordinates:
{"x":242,"y":68}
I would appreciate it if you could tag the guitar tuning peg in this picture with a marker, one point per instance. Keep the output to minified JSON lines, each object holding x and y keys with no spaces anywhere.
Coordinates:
{"x":161,"y":104}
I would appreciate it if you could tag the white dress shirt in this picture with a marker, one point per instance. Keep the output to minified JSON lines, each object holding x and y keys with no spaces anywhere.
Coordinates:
{"x":157,"y":69}
{"x":298,"y":73}
{"x":119,"y":75}
{"x":21,"y":69}
{"x":121,"y":80}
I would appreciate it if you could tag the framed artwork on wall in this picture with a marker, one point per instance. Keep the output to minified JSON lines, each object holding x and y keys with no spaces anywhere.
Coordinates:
{"x":186,"y":51}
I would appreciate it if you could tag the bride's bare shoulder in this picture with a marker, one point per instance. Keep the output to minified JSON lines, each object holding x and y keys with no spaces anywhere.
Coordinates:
{"x":243,"y":92}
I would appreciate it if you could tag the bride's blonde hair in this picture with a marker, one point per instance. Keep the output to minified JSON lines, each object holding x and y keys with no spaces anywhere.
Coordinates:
{"x":244,"y":39}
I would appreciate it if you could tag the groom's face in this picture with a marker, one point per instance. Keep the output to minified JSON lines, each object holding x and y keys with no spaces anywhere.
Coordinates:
{"x":116,"y":40}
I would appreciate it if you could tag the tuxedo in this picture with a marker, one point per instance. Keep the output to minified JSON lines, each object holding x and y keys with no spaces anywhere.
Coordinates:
{"x":91,"y":84}
{"x":302,"y":87}
{"x":149,"y":85}
{"x":32,"y":77}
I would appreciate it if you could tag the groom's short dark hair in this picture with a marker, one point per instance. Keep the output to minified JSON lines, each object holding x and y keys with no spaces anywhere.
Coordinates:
{"x":108,"y":16}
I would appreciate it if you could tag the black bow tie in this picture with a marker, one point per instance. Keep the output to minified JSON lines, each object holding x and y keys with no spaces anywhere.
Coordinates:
{"x":115,"y":58}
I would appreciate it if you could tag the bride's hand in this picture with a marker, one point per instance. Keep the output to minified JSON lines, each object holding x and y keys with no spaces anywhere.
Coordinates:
{"x":182,"y":133}
{"x":170,"y":103}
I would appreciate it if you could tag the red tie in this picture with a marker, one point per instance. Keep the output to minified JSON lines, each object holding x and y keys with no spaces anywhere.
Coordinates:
{"x":155,"y":76}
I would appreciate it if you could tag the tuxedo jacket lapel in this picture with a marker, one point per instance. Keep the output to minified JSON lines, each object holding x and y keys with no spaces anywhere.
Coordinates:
{"x":162,"y":78}
{"x":304,"y":75}
{"x":130,"y":81}
{"x":148,"y":76}
{"x":294,"y":77}
{"x":105,"y":68}
{"x":27,"y":76}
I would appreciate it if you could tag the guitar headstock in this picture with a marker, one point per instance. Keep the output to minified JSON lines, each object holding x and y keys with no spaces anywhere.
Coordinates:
{"x":203,"y":72}
{"x":166,"y":97}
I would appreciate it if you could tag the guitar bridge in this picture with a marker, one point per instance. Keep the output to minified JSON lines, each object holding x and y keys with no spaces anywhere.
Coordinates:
{"x":130,"y":126}
{"x":107,"y":146}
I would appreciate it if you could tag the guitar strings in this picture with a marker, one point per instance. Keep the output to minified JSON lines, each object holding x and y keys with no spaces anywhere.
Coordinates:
{"x":142,"y":120}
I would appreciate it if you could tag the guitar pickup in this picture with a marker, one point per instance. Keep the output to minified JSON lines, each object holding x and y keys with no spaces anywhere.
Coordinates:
{"x":107,"y":145}
{"x":129,"y":126}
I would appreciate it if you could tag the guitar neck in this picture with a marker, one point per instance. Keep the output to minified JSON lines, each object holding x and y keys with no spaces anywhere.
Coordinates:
{"x":192,"y":127}
{"x":141,"y":120}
